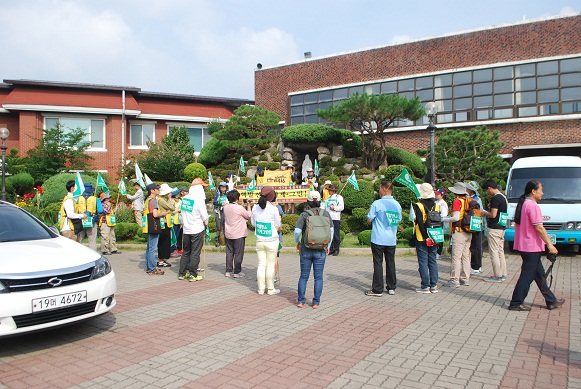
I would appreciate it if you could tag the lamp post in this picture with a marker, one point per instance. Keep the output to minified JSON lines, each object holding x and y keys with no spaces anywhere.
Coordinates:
{"x":431,"y":111}
{"x":4,"y":133}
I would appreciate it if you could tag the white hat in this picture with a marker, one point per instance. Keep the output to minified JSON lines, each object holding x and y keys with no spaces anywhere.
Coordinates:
{"x":426,"y":191}
{"x":328,"y":182}
{"x":314,"y":196}
{"x":459,"y":188}
{"x":164,"y":189}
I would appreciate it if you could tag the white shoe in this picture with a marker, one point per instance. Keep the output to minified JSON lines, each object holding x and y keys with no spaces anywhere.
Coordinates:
{"x":261,"y":292}
{"x":273,"y":292}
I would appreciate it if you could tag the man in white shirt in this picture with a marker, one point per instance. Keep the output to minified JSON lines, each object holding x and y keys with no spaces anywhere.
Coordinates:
{"x":68,"y":213}
{"x":137,"y":202}
{"x":334,"y":205}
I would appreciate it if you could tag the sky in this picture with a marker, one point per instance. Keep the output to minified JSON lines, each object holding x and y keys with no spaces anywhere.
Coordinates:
{"x":211,"y":47}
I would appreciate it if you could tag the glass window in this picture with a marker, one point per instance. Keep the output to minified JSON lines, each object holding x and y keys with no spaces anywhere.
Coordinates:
{"x":572,"y":79}
{"x":483,"y":102}
{"x":527,"y":111}
{"x":355,"y":89}
{"x":444,"y":105}
{"x":326,"y":95}
{"x":297,"y":100}
{"x":525,"y":70}
{"x":372,"y":89}
{"x":141,"y":134}
{"x":196,"y":138}
{"x":571,"y":94}
{"x":97,"y":133}
{"x":548,"y":96}
{"x":443,"y":80}
{"x":424,"y":82}
{"x":483,"y":75}
{"x":503,"y":73}
{"x":570,"y":65}
{"x":340,"y":94}
{"x":525,"y":83}
{"x":324,"y":105}
{"x":503,"y":113}
{"x":312,"y":119}
{"x":548,"y":82}
{"x":571,"y":107}
{"x":484,"y":88}
{"x":425,"y":95}
{"x":389,"y":88}
{"x":405,"y":85}
{"x":311,"y":97}
{"x":484,"y":115}
{"x":311,"y":109}
{"x":50,"y":123}
{"x":297,"y":120}
{"x":408,"y":95}
{"x":551,"y":67}
{"x":549,"y":109}
{"x":445,"y":118}
{"x":526,"y":98}
{"x":443,"y":93}
{"x":500,"y":100}
{"x":462,"y":78}
{"x":462,"y":91}
{"x":94,"y":129}
{"x":462,"y":116}
{"x":296,"y":111}
{"x":462,"y":104}
{"x":502,"y":86}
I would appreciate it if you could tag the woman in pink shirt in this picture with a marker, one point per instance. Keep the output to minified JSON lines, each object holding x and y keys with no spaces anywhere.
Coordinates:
{"x":236,"y":231}
{"x":530,"y":239}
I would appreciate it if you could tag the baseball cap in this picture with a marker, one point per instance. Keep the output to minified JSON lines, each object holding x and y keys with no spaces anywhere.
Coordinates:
{"x":314,"y":196}
{"x":152,"y":186}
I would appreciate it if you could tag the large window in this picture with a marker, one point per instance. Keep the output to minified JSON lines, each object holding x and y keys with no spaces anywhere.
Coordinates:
{"x":526,"y":90}
{"x":94,"y":128}
{"x":141,"y":134}
{"x":199,"y":136}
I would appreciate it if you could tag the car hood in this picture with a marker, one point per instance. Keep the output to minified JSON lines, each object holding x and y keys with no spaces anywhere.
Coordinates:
{"x":43,"y":255}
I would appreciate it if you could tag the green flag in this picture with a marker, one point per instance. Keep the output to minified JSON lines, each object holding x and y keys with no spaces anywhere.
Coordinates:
{"x":122,"y":187}
{"x":208,"y":237}
{"x":405,"y":179}
{"x":211,"y":181}
{"x":353,"y":180}
{"x":101,"y":182}
{"x":242,"y":168}
{"x":252,"y":186}
{"x":80,"y":187}
{"x":316,"y":168}
{"x":173,"y":241}
{"x":139,"y":176}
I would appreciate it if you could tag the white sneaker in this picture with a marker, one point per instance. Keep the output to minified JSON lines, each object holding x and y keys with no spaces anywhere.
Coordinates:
{"x":273,"y":292}
{"x":261,"y":292}
{"x":391,"y":292}
{"x":473,"y":272}
{"x":238,"y":275}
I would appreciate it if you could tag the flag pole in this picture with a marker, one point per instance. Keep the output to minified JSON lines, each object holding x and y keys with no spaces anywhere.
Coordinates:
{"x":342,"y":188}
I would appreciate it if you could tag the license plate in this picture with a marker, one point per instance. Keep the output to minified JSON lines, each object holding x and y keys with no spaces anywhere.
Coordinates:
{"x":59,"y":301}
{"x":553,"y":238}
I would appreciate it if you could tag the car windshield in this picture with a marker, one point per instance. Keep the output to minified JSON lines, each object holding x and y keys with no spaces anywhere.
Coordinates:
{"x":561,"y":185}
{"x":17,"y":225}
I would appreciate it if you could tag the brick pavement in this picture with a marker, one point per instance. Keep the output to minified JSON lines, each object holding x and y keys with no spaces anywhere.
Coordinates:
{"x":219,"y":332}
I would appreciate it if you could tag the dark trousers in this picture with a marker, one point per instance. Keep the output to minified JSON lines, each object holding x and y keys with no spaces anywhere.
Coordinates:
{"x":379,"y":252}
{"x":191,"y":256}
{"x":234,"y":254}
{"x":336,"y":237}
{"x":163,"y":246}
{"x":177,"y":229}
{"x":532,"y":269}
{"x":476,"y":250}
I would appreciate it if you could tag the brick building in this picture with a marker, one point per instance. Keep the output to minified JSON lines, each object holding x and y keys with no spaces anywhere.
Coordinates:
{"x":522,"y":79}
{"x":119,"y":120}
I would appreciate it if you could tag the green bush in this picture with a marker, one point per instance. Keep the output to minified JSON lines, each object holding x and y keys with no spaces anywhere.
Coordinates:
{"x":212,"y":223}
{"x":341,"y":235}
{"x":195,"y":170}
{"x":126,"y":231}
{"x":275,"y":156}
{"x":351,"y":145}
{"x":286,"y":229}
{"x":345,"y":223}
{"x":326,"y":161}
{"x":318,"y":133}
{"x":358,"y":219}
{"x":340,"y":171}
{"x":364,"y":238}
{"x":184,"y":184}
{"x":20,"y":183}
{"x":263,"y":157}
{"x":290,"y":219}
{"x":405,"y":197}
{"x":406,"y":235}
{"x":270,"y":165}
{"x":49,"y":213}
{"x":125,"y":215}
{"x":54,"y":188}
{"x":212,"y":153}
{"x":361,"y":198}
{"x":397,"y":156}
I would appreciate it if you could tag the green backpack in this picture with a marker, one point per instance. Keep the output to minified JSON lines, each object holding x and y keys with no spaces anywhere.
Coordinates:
{"x":317,"y":234}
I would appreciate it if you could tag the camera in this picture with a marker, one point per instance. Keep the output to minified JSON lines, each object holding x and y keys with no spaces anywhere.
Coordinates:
{"x":552,"y":257}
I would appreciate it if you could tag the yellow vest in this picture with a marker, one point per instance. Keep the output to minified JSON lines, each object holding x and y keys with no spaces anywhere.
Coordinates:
{"x":63,"y":215}
{"x":88,"y":204}
{"x":146,"y":212}
{"x":417,"y":231}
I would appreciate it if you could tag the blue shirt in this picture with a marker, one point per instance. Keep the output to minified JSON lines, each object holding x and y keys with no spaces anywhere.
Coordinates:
{"x":382,"y":233}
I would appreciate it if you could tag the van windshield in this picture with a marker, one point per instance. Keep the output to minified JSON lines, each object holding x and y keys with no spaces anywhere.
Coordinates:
{"x":560,"y":184}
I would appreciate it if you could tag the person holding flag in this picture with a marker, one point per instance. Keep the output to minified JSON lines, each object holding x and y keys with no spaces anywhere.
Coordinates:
{"x":67,"y":212}
{"x":219,"y":201}
{"x":137,"y":202}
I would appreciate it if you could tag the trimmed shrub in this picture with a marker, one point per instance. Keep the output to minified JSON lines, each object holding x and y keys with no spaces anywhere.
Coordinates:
{"x":54,"y":188}
{"x":364,"y":238}
{"x":286,"y":229}
{"x":317,"y":133}
{"x":345,"y":223}
{"x":20,"y":183}
{"x":290,"y":219}
{"x":406,"y":235}
{"x":397,"y":156}
{"x":263,"y":157}
{"x":341,"y":235}
{"x":125,"y":215}
{"x":126,"y":231}
{"x":358,"y":219}
{"x":49,"y":213}
{"x":358,"y":199}
{"x":195,"y":170}
{"x":212,"y":153}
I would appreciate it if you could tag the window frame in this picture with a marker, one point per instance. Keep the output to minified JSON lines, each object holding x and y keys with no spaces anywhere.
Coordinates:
{"x":89,"y":118}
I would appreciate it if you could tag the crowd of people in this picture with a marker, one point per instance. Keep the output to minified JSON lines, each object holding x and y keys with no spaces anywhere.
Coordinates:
{"x":176,"y":224}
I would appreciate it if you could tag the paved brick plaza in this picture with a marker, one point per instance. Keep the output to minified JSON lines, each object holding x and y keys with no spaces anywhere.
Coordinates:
{"x":219,"y":332}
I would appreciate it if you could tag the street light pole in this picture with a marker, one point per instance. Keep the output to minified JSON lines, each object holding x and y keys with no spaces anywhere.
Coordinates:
{"x":431,"y":111}
{"x":4,"y":133}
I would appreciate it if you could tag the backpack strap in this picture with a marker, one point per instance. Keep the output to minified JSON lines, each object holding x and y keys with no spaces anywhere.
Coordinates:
{"x":420,"y":219}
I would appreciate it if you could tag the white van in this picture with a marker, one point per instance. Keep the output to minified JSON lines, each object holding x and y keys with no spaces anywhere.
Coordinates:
{"x":561,"y":203}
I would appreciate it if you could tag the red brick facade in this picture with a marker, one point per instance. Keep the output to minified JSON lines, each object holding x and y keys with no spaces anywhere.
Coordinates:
{"x":512,"y":43}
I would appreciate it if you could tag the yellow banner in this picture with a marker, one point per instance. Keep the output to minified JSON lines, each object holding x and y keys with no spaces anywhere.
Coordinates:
{"x":276,"y":177}
{"x":284,"y":194}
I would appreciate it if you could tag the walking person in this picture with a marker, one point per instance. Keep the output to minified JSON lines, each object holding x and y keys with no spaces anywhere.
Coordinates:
{"x":137,"y":202}
{"x":194,"y":224}
{"x":334,"y":205}
{"x":426,"y":247}
{"x":152,"y":227}
{"x":236,"y":231}
{"x":311,"y":257}
{"x":497,"y":217}
{"x":266,"y":220}
{"x":384,"y":216}
{"x":530,"y":239}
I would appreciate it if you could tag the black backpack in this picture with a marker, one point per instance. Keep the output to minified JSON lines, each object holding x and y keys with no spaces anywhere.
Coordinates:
{"x":434,"y":219}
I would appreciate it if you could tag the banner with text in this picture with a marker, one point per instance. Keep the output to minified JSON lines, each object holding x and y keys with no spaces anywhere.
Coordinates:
{"x":276,"y":177}
{"x":284,"y":194}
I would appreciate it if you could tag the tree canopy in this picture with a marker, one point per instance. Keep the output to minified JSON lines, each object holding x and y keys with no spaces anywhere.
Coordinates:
{"x":371,"y":115}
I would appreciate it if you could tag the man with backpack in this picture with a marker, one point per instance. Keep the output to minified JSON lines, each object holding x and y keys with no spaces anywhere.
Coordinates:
{"x":476,"y":242}
{"x":90,"y":206}
{"x":496,"y":222}
{"x":385,"y":215}
{"x":428,"y":233}
{"x":316,"y":227}
{"x":461,"y":237}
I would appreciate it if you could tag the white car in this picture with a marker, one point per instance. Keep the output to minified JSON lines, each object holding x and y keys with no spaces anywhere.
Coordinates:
{"x":47,"y":280}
